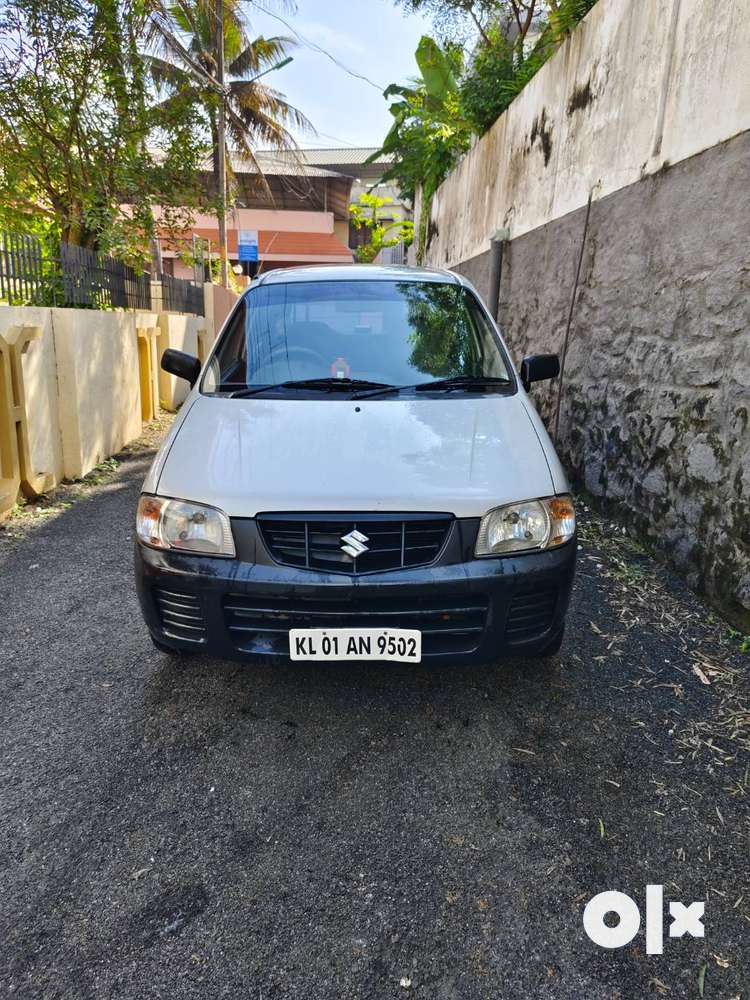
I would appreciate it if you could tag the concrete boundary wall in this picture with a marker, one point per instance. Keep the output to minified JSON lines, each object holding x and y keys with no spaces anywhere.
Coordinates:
{"x":99,"y":402}
{"x":655,"y":409}
{"x":83,"y":383}
{"x":638,"y":86}
{"x":219,"y":303}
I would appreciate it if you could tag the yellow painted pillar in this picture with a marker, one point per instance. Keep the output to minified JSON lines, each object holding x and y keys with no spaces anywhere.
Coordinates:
{"x":10,"y":472}
{"x":16,"y":471}
{"x":166,"y":381}
{"x":148,"y":371}
{"x":153,"y":343}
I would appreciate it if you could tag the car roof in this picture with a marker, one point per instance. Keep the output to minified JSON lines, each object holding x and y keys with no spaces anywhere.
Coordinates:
{"x":356,"y":272}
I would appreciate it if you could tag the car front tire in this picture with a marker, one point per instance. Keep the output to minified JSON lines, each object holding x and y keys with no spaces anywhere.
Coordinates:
{"x":553,"y":648}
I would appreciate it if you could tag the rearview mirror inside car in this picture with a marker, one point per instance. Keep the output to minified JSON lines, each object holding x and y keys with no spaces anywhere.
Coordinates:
{"x":181,"y":364}
{"x":538,"y":367}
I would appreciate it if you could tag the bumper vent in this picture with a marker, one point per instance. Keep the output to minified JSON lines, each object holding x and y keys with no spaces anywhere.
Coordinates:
{"x":315,"y":541}
{"x":531,"y":614}
{"x":181,"y":615}
{"x":448,"y":625}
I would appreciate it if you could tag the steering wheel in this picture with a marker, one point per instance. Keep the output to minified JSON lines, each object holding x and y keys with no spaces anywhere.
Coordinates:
{"x":299,"y":354}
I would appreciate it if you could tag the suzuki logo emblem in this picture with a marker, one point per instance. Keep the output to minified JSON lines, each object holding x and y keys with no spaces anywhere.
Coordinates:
{"x":354,"y":543}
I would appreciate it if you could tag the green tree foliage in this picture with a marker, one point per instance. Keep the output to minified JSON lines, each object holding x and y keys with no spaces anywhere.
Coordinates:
{"x":457,"y":97}
{"x":382,"y":233}
{"x":186,"y":65}
{"x":484,"y":87}
{"x":504,"y":61}
{"x":509,"y":40}
{"x":429,"y":132}
{"x":79,"y":135}
{"x":471,"y":21}
{"x":458,"y":20}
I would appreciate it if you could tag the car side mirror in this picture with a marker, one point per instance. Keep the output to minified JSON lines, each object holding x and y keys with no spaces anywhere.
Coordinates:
{"x":181,"y":364}
{"x":538,"y":367}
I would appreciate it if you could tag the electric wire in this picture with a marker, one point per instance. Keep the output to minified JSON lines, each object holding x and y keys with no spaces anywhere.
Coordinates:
{"x":318,"y":48}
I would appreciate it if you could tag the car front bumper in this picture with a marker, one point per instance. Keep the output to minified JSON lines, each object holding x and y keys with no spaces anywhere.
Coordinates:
{"x":474,"y":611}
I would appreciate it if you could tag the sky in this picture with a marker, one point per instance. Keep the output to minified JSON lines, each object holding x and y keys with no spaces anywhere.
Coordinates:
{"x":372,"y":38}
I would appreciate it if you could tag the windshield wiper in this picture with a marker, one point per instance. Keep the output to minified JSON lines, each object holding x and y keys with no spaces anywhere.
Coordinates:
{"x":327,"y":384}
{"x":462,"y":382}
{"x":443,"y":384}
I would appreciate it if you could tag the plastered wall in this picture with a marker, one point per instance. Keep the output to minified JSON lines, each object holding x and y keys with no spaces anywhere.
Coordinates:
{"x":98,"y":384}
{"x":88,"y":379}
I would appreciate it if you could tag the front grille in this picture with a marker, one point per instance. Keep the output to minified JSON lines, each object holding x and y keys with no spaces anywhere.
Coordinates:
{"x":531,"y":614}
{"x":181,"y":615}
{"x":448,"y":624}
{"x":394,"y":541}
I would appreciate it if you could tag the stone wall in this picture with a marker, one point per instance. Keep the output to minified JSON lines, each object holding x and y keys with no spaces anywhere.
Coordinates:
{"x":656,"y":402}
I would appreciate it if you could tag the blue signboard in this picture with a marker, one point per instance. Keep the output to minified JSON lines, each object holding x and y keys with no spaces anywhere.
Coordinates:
{"x":247,"y":244}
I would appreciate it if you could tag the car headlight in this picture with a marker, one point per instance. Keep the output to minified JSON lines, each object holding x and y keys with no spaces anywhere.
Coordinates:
{"x":532,"y":524}
{"x":184,"y":527}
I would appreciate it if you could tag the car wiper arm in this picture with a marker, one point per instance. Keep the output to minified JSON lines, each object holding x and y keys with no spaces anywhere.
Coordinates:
{"x":334,"y":384}
{"x":365,"y":388}
{"x":447,"y":384}
{"x":381,"y":391}
{"x":462,"y":382}
{"x":331,"y":384}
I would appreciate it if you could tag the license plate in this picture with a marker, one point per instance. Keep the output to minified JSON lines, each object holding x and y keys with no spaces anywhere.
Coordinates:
{"x":401,"y":644}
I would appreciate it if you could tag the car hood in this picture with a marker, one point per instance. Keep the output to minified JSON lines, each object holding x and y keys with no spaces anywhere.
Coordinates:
{"x":460,"y":455}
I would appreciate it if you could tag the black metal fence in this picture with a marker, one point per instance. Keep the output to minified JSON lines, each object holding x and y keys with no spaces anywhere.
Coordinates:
{"x":82,"y":278}
{"x":25,"y":273}
{"x":91,"y":280}
{"x":181,"y":295}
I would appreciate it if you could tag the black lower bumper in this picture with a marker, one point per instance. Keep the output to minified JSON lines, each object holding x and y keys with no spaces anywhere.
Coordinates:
{"x":469,"y":612}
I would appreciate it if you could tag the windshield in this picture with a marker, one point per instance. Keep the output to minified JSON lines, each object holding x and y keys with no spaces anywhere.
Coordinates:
{"x":384,"y":332}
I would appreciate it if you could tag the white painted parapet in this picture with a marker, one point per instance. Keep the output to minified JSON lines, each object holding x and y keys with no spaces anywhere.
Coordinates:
{"x":99,"y":401}
{"x":639,"y":85}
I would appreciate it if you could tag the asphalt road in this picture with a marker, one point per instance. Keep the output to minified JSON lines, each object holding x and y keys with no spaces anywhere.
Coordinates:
{"x":213,"y":830}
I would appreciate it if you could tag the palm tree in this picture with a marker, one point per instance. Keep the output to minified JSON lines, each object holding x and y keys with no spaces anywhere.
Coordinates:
{"x":185,"y":63}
